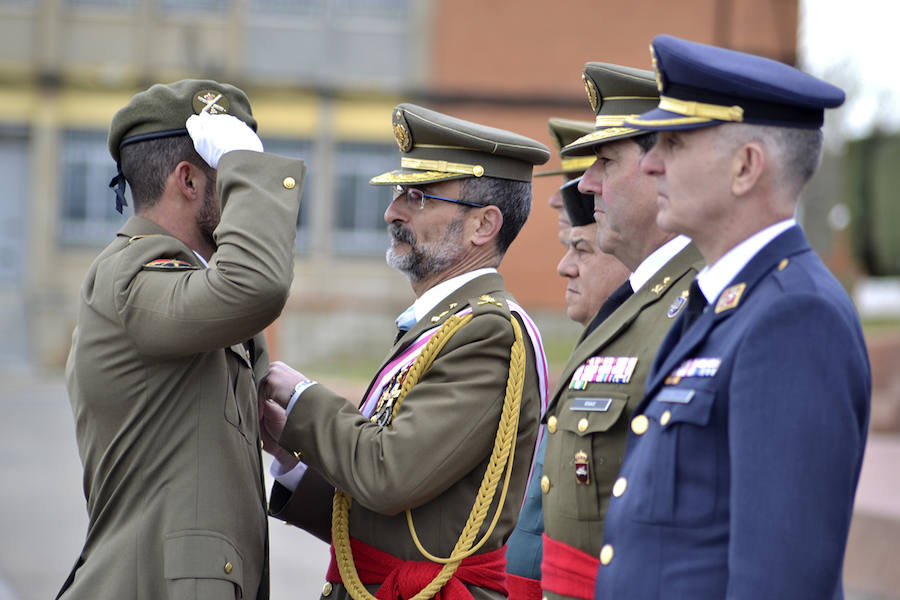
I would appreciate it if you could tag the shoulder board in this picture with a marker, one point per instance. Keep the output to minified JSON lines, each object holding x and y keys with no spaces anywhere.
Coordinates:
{"x":135,"y":238}
{"x":168,"y":264}
{"x":489,"y":304}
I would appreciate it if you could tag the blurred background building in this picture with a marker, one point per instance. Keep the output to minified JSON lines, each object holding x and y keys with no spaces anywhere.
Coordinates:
{"x":323,"y":76}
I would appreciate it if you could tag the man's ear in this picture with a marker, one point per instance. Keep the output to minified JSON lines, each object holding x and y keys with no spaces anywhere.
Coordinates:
{"x":490,"y":220}
{"x":188,"y":179}
{"x":749,"y":165}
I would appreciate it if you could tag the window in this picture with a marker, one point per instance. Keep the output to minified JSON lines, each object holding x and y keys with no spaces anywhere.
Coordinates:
{"x":298,"y":149}
{"x":359,"y":222}
{"x":287,"y":7}
{"x":103,"y":3}
{"x":167,"y":6}
{"x":374,"y":8}
{"x":89,"y":213}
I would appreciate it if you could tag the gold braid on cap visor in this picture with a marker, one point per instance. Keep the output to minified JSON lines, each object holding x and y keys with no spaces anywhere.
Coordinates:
{"x":699,"y":109}
{"x":442,"y":165}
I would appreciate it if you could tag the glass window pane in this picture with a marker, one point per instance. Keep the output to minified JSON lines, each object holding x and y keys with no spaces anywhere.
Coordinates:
{"x":88,"y":205}
{"x":103,"y":3}
{"x":374,"y":8}
{"x":194,"y":5}
{"x":288,"y":7}
{"x":359,"y":222}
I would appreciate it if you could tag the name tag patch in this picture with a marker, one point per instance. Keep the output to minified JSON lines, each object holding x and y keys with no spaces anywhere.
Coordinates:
{"x":603,"y":369}
{"x":591,"y":404}
{"x":677,"y":395}
{"x":694,"y":367}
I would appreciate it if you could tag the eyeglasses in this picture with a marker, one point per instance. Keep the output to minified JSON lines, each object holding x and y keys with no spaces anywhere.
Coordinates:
{"x":415,"y":198}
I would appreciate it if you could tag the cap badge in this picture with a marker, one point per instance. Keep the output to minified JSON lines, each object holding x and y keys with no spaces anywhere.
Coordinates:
{"x":401,"y":134}
{"x":730,"y":297}
{"x":591,"y":88}
{"x":215,"y":101}
{"x":656,"y":71}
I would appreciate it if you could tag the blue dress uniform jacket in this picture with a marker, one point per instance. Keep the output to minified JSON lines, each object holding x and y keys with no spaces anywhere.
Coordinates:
{"x":740,"y":471}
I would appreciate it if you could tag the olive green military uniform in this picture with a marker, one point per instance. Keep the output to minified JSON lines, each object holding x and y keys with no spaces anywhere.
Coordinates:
{"x":434,"y":456}
{"x":603,"y":380}
{"x":431,"y":456}
{"x":587,"y":423}
{"x":162,"y":377}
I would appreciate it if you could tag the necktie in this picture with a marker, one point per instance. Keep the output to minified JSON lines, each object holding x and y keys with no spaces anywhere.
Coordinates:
{"x":695,"y":305}
{"x":615,"y":300}
{"x":405,"y":322}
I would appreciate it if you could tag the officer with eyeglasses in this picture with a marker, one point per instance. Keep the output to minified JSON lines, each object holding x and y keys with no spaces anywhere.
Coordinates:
{"x":431,"y":464}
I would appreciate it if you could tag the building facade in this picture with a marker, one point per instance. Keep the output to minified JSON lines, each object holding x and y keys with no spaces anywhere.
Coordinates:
{"x":323,"y":76}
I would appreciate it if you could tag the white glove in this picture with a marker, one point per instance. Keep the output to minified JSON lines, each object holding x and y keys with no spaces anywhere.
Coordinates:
{"x":214,"y":135}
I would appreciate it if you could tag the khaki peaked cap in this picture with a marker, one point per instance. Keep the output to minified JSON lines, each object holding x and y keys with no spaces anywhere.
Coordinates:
{"x":162,"y":110}
{"x":615,"y":93}
{"x":564,"y":132}
{"x":437,"y":147}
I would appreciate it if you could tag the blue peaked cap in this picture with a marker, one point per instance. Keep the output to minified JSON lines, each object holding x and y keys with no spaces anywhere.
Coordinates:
{"x":703,"y":85}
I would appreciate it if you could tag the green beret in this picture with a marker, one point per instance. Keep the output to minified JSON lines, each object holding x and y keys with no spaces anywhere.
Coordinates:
{"x":615,"y":93}
{"x":162,"y":110}
{"x":437,"y":147}
{"x":564,"y":132}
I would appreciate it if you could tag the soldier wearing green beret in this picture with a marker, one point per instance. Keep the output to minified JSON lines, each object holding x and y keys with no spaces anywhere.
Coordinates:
{"x":591,"y":276}
{"x":603,"y":379}
{"x":167,"y":351}
{"x":431,"y":465}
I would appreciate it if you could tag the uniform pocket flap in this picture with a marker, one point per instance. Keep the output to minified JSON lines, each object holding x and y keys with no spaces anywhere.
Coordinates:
{"x":681,"y":405}
{"x":587,"y":414}
{"x":199,"y":554}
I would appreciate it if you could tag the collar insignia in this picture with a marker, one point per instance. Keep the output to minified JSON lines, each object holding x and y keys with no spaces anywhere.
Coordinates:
{"x":659,"y":287}
{"x":730,"y":297}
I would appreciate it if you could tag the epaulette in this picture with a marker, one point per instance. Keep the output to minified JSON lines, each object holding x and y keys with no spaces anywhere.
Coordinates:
{"x":487,"y":304}
{"x":135,"y":238}
{"x":168,"y":264}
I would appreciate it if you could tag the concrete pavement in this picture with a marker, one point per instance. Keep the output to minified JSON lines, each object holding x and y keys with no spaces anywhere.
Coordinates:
{"x":42,"y":511}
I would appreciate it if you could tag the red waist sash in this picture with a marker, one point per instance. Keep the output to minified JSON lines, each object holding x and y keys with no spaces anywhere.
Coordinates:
{"x":404,"y":579}
{"x":568,"y":571}
{"x":523,"y":588}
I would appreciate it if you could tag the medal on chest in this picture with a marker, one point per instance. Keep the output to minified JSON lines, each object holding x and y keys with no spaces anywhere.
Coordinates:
{"x":384,"y":410}
{"x":582,"y":470}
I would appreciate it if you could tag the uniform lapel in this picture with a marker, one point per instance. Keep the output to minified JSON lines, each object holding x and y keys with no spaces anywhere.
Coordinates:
{"x":674,"y":351}
{"x":610,"y":329}
{"x":491,"y":283}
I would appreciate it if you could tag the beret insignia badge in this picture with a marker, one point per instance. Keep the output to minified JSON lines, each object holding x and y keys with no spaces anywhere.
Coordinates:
{"x":215,"y":100}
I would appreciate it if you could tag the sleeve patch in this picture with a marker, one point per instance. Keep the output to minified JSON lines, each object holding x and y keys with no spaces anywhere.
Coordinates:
{"x":168,"y":264}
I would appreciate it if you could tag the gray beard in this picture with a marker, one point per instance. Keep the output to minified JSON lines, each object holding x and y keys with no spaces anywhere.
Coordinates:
{"x":422,"y":260}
